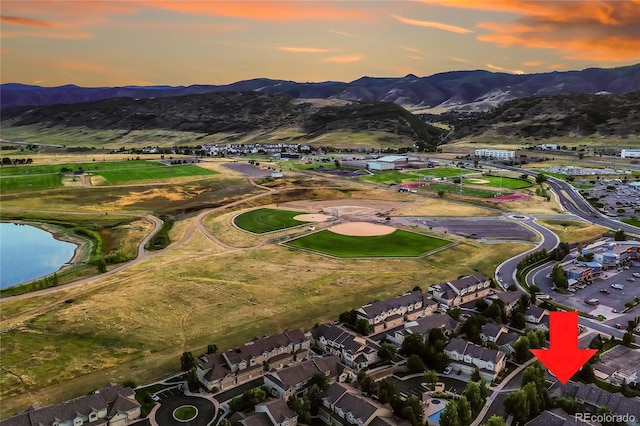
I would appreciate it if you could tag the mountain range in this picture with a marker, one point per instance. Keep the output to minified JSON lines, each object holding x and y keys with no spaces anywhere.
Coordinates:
{"x":476,"y":90}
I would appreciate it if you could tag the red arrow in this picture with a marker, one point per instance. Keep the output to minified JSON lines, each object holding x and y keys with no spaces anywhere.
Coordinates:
{"x":563,"y":358}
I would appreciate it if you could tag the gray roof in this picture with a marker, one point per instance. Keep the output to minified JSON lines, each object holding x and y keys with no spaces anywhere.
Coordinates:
{"x":257,"y":347}
{"x":429,"y":322}
{"x":114,"y":398}
{"x":294,"y":375}
{"x":214,"y":366}
{"x":360,"y":407}
{"x":254,"y":419}
{"x":507,"y":338}
{"x":279,"y":410}
{"x":548,"y":418}
{"x":595,"y":396}
{"x":491,"y":330}
{"x":467,"y":281}
{"x":344,"y":338}
{"x":374,"y":309}
{"x":335,"y":392}
{"x":467,"y":348}
{"x":535,"y":311}
{"x":508,"y":297}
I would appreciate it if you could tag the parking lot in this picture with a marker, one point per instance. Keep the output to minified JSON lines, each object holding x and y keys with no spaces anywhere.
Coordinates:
{"x":474,"y":227}
{"x":609,"y":305}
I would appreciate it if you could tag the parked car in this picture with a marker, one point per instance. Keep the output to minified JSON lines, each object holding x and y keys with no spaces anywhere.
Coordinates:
{"x":617,"y":286}
{"x":619,"y":326}
{"x":604,"y":291}
{"x":447,"y":370}
{"x":636,"y":274}
{"x":631,"y":280}
{"x":571,"y":289}
{"x":592,"y":302}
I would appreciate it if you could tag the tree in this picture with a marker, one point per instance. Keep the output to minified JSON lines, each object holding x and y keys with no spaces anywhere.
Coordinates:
{"x":559,"y":278}
{"x":521,"y":349}
{"x":495,"y":420}
{"x":449,"y":416}
{"x":349,"y":317}
{"x":517,"y":405}
{"x":387,"y":352}
{"x":337,"y":163}
{"x":441,"y":193}
{"x":620,"y":235}
{"x":193,"y":381}
{"x":387,"y":390}
{"x":464,"y":410}
{"x":540,"y":179}
{"x":567,"y":404}
{"x":363,"y":327}
{"x":301,"y":407}
{"x":6,"y":161}
{"x":101,"y":265}
{"x":430,"y":377}
{"x":187,"y":361}
{"x":454,"y":313}
{"x":484,"y":388}
{"x":415,"y":363}
{"x":475,"y":375}
{"x":628,"y":338}
{"x":472,"y":393}
{"x":212,"y":349}
{"x":413,"y":344}
{"x":437,"y":338}
{"x":321,"y":380}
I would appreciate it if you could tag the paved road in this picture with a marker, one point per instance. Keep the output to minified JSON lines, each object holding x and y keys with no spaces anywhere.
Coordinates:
{"x":506,"y":271}
{"x":573,"y":202}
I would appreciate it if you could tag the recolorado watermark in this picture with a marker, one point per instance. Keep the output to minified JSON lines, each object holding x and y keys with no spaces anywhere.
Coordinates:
{"x":604,"y":418}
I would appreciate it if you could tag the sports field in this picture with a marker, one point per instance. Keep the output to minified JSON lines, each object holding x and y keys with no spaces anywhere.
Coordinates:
{"x":466,"y":190}
{"x":21,"y":183}
{"x":389,"y":176}
{"x":161,"y":172}
{"x":267,"y":220}
{"x":397,"y":244}
{"x":95,"y":166}
{"x":497,"y":182}
{"x":441,"y":172}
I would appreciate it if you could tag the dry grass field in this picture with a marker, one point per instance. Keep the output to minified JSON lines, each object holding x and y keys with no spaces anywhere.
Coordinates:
{"x":136,"y":323}
{"x":572,"y":231}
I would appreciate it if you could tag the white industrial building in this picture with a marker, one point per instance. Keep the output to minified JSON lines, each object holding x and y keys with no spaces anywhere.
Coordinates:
{"x":500,"y":154}
{"x":630,"y":153}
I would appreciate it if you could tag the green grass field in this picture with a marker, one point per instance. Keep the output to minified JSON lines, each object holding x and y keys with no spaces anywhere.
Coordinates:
{"x":162,"y":172}
{"x":96,"y":166}
{"x":397,"y":244}
{"x":632,"y":221}
{"x":441,"y":172}
{"x":390,"y":176}
{"x":267,"y":220}
{"x":22,"y":183}
{"x":466,"y":190}
{"x":496,"y":182}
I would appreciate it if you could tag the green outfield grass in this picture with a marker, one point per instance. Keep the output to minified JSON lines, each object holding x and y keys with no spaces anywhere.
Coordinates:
{"x":466,"y":190}
{"x":21,"y":183}
{"x":397,"y":244}
{"x":95,"y":166}
{"x":441,"y":172}
{"x":267,"y":220}
{"x":496,"y":182}
{"x":161,"y":172}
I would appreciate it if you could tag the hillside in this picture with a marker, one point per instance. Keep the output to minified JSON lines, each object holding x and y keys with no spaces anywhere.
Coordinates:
{"x":552,"y":116}
{"x":239,"y":113}
{"x":476,"y":90}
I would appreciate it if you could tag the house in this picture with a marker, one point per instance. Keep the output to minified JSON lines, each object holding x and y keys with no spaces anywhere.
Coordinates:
{"x":491,"y":332}
{"x":272,"y":412}
{"x":630,"y":153}
{"x":462,"y":290}
{"x":592,"y":398}
{"x":423,"y":326}
{"x":112,"y":405}
{"x":259,"y":351}
{"x":506,"y":342}
{"x":391,"y":313}
{"x":212,"y":371}
{"x":511,"y":300}
{"x":537,"y":317}
{"x":293,"y":380}
{"x":467,"y":356}
{"x":343,"y":404}
{"x":555,"y":417}
{"x":355,"y":351}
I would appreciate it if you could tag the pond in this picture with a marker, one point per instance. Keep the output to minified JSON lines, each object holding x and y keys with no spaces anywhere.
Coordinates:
{"x":27,"y":253}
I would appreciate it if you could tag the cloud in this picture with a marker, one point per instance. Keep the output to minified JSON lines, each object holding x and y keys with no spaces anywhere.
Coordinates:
{"x":605,"y":30}
{"x":29,"y":22}
{"x":415,"y":57}
{"x":264,"y":10}
{"x":345,"y":59}
{"x":497,"y":68}
{"x":342,"y":33}
{"x":464,"y":61}
{"x":410,"y":49}
{"x":432,"y":24}
{"x":304,"y":49}
{"x":532,"y":63}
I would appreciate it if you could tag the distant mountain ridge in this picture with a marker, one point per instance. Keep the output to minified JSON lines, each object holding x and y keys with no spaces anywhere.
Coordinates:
{"x":477,"y":90}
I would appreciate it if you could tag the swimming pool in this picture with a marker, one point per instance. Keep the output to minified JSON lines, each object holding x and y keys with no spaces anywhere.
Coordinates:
{"x":435,"y":417}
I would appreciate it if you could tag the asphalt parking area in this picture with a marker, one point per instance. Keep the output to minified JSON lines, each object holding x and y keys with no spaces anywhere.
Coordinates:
{"x":475,"y":227}
{"x":171,"y":400}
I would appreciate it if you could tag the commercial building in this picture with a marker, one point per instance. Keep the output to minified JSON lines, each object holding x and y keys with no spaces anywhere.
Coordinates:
{"x":630,"y":153}
{"x":499,"y":154}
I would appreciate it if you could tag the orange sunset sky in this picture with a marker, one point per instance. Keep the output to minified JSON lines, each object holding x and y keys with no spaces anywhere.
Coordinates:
{"x":173,"y":42}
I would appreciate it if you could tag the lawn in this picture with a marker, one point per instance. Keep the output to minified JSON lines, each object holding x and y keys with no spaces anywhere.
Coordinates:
{"x":497,"y":182}
{"x":632,"y":221}
{"x":397,"y":244}
{"x":146,"y":173}
{"x":466,"y":190}
{"x":97,"y":166}
{"x":21,"y":183}
{"x":573,"y":231}
{"x":390,"y":176}
{"x":267,"y":220}
{"x":441,"y":172}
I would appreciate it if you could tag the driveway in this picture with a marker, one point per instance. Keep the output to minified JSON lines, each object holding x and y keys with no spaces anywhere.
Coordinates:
{"x":164,"y":414}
